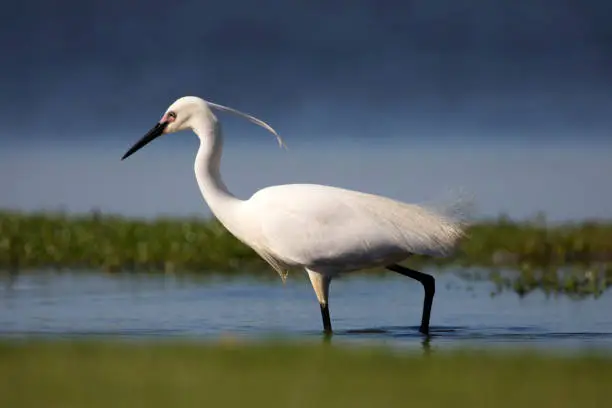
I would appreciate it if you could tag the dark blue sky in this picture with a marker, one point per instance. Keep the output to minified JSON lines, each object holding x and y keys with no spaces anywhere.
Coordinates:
{"x":81,"y":81}
{"x":535,"y":68}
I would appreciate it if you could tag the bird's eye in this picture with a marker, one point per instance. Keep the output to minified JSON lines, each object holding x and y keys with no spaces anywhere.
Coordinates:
{"x":172,"y":115}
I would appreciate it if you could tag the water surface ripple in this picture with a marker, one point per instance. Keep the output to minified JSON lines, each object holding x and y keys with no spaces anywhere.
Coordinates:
{"x":364,"y":310}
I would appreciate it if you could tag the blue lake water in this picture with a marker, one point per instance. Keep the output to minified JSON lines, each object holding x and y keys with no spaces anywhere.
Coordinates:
{"x":365,"y":309}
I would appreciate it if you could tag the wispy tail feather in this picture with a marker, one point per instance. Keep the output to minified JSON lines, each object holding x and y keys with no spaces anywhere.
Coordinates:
{"x":459,"y":207}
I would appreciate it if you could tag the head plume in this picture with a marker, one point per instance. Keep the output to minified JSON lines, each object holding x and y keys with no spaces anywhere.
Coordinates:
{"x":252,"y":119}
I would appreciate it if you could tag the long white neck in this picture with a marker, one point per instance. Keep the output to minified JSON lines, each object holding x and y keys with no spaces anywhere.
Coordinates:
{"x":207,"y":166}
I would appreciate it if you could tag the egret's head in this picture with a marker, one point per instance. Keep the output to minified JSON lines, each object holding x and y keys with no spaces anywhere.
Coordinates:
{"x":177,"y":117}
{"x":182,"y":115}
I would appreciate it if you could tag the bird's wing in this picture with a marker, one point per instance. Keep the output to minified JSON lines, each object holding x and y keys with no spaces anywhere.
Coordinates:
{"x":308,"y":224}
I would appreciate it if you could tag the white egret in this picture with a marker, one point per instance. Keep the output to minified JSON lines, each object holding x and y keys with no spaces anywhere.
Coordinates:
{"x":325,"y":230}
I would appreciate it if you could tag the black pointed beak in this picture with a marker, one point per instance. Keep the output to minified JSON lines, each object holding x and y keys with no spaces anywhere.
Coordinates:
{"x":151,"y":135}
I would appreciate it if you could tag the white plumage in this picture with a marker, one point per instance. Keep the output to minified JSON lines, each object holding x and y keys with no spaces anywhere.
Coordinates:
{"x":324,"y":230}
{"x":330,"y":229}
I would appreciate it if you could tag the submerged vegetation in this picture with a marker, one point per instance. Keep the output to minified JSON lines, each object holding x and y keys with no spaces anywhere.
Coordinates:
{"x":96,"y":374}
{"x":569,"y":258}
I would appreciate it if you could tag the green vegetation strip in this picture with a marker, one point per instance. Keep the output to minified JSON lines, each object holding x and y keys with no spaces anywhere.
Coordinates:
{"x":153,"y":375}
{"x":570,"y":258}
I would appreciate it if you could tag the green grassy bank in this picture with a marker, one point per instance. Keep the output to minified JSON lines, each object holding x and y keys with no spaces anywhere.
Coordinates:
{"x":96,"y":241}
{"x":106,"y":375}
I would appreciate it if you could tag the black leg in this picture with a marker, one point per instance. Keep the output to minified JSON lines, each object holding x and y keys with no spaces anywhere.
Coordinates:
{"x":429,"y":284}
{"x":326,"y":320}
